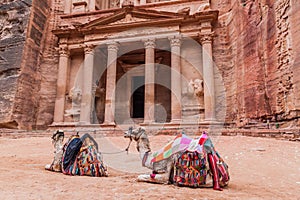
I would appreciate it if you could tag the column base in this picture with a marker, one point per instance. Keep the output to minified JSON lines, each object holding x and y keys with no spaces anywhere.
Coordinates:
{"x":176,"y":121}
{"x":148,"y":122}
{"x":108,"y":124}
{"x":84,"y":123}
{"x":210,"y":120}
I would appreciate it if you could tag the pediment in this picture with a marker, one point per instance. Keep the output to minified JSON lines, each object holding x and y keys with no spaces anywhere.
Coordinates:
{"x":130,"y":15}
{"x":129,"y":19}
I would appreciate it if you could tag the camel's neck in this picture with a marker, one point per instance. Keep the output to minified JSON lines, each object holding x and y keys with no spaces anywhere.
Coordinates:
{"x":58,"y":143}
{"x":144,"y":149}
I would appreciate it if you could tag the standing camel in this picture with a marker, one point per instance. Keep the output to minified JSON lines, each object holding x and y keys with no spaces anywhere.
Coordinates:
{"x":163,"y":168}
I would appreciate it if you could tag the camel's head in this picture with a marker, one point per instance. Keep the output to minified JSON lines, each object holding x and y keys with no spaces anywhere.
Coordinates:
{"x":58,"y":135}
{"x":134,"y":134}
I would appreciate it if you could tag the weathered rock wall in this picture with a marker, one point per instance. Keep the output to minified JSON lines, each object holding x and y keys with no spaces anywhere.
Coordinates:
{"x":48,"y":70}
{"x":14,"y":17}
{"x":24,"y":28}
{"x":255,"y":50}
{"x":295,"y":39}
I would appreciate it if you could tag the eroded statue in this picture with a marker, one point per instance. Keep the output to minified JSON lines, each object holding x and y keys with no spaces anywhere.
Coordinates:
{"x":75,"y":97}
{"x":195,"y":87}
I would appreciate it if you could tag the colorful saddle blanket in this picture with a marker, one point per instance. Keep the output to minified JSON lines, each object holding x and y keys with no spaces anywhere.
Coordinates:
{"x":181,"y":143}
{"x":192,"y":164}
{"x":81,"y":157}
{"x":190,"y":169}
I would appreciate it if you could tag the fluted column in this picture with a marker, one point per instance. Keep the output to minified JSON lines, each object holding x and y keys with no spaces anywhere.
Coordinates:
{"x":175,"y":43}
{"x":208,"y":75}
{"x":112,"y":55}
{"x":149,"y":80}
{"x":61,"y":86}
{"x":87,"y":95}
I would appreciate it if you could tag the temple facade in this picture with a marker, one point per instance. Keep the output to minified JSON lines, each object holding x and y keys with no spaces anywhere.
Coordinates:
{"x":135,"y":62}
{"x":162,"y":64}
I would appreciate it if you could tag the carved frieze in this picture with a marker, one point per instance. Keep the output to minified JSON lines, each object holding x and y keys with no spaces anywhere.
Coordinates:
{"x":129,"y":19}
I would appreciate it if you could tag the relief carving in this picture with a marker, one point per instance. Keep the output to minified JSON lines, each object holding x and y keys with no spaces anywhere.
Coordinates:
{"x":193,"y":100}
{"x":74,"y":97}
{"x":195,"y":88}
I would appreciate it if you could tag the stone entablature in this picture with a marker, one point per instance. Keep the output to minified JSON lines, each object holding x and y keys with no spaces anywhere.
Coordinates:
{"x":87,"y":6}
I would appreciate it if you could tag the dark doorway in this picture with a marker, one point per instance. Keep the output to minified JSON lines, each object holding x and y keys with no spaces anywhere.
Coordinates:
{"x":138,"y":97}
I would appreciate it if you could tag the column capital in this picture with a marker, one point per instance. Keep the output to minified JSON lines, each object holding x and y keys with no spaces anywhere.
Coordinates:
{"x":88,"y":48}
{"x":175,"y":41}
{"x":63,"y":51}
{"x":113,"y":46}
{"x":149,"y":43}
{"x":206,"y":38}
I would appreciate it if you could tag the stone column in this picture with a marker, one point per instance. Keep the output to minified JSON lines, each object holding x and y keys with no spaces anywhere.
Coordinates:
{"x":105,"y":4}
{"x":175,"y":43}
{"x":112,"y":55}
{"x":87,"y":95}
{"x":92,"y":5}
{"x":68,"y":5}
{"x":149,"y":80}
{"x":142,"y":2}
{"x":208,"y":75}
{"x":61,"y":87}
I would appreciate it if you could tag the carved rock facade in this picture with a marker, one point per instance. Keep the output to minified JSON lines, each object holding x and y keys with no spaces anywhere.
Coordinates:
{"x":256,"y":48}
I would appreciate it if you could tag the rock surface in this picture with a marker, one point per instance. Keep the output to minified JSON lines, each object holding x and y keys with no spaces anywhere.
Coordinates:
{"x":23,"y":30}
{"x":256,"y":50}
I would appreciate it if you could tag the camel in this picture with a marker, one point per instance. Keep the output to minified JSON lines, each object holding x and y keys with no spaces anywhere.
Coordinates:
{"x":78,"y":156}
{"x":57,"y":141}
{"x":163,"y":169}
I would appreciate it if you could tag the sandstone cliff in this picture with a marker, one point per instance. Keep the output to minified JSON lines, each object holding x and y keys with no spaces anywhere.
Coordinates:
{"x":23,"y":25}
{"x":255,"y":49}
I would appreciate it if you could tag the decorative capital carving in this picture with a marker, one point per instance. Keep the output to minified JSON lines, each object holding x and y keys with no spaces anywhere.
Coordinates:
{"x":63,"y":51}
{"x":149,"y":43}
{"x":89,"y":48}
{"x":206,"y":38}
{"x":114,"y":46}
{"x":175,"y":41}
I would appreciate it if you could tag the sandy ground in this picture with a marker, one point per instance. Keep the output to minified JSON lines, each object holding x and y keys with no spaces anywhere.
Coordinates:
{"x":260,"y":168}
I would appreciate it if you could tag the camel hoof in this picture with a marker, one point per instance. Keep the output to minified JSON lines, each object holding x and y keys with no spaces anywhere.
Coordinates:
{"x":143,"y":178}
{"x":48,"y":167}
